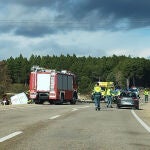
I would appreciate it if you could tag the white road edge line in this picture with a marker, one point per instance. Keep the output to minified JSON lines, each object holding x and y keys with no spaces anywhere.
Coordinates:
{"x":10,"y":136}
{"x":54,"y":117}
{"x":141,"y":121}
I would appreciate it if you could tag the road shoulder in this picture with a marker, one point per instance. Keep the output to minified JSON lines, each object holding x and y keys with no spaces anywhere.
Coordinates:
{"x":144,"y":112}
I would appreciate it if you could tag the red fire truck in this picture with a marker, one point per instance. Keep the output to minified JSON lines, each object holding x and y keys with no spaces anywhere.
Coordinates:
{"x":52,"y":86}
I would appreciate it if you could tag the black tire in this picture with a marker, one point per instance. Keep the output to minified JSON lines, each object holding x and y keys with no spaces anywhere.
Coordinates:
{"x":51,"y":102}
{"x":118,"y":106}
{"x":62,"y":99}
{"x":73,"y":101}
{"x":137,"y":107}
{"x":36,"y":101}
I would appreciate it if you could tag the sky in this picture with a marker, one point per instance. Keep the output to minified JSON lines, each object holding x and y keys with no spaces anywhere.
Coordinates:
{"x":94,"y":28}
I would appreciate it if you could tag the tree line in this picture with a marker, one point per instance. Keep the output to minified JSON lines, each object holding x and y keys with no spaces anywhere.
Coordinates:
{"x":89,"y":70}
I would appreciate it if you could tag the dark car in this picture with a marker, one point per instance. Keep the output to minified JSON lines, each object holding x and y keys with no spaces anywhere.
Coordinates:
{"x":128,"y":99}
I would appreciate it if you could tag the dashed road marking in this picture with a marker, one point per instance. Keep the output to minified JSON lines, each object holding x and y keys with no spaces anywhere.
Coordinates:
{"x":74,"y":109}
{"x":54,"y":117}
{"x":84,"y":107}
{"x":141,"y":121}
{"x":10,"y":136}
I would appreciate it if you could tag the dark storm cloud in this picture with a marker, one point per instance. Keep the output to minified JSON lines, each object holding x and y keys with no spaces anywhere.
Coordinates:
{"x":84,"y":15}
{"x":135,"y":11}
{"x":34,"y":3}
{"x":109,"y":13}
{"x":34,"y":31}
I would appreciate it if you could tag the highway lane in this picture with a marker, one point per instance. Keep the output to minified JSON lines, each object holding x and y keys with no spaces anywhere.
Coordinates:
{"x":18,"y":117}
{"x":75,"y":127}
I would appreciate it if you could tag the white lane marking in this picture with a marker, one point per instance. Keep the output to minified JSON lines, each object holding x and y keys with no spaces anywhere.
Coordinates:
{"x":10,"y":136}
{"x":74,"y":109}
{"x":54,"y":117}
{"x":141,"y":121}
{"x":84,"y":107}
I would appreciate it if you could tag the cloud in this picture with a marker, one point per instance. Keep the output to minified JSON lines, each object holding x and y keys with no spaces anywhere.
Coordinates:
{"x":81,"y":43}
{"x":81,"y":27}
{"x":25,"y":17}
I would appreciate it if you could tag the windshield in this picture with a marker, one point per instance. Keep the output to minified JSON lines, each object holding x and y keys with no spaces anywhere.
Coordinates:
{"x":128,"y":94}
{"x":134,"y":90}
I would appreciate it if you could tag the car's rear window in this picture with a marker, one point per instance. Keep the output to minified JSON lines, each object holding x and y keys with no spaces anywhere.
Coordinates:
{"x":128,"y":94}
{"x":134,"y":90}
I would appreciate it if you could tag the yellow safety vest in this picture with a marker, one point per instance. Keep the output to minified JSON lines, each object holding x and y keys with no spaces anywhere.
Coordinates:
{"x":97,"y":89}
{"x":118,"y":93}
{"x":108,"y":92}
{"x":146,"y":93}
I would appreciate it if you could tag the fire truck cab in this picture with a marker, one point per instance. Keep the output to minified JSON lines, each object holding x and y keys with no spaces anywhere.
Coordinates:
{"x":52,"y":86}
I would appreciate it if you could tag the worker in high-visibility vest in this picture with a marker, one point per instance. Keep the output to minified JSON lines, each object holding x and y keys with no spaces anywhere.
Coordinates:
{"x":109,"y":97}
{"x":146,"y":93}
{"x":97,"y":96}
{"x":118,"y":92}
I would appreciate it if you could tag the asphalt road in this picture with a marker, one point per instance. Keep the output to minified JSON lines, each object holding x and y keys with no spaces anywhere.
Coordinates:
{"x":70,"y":127}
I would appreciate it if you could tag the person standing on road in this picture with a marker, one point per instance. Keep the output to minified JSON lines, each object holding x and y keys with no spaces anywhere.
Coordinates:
{"x":5,"y":100}
{"x":109,"y":97}
{"x":146,"y":93}
{"x":97,"y":96}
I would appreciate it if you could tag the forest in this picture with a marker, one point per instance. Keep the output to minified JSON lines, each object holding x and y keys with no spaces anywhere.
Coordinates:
{"x":88,"y":70}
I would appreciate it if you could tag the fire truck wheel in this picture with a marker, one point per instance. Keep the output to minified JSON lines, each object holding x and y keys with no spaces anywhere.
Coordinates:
{"x":36,"y":101}
{"x":62,"y":99}
{"x":51,"y":102}
{"x":31,"y":101}
{"x":73,"y":101}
